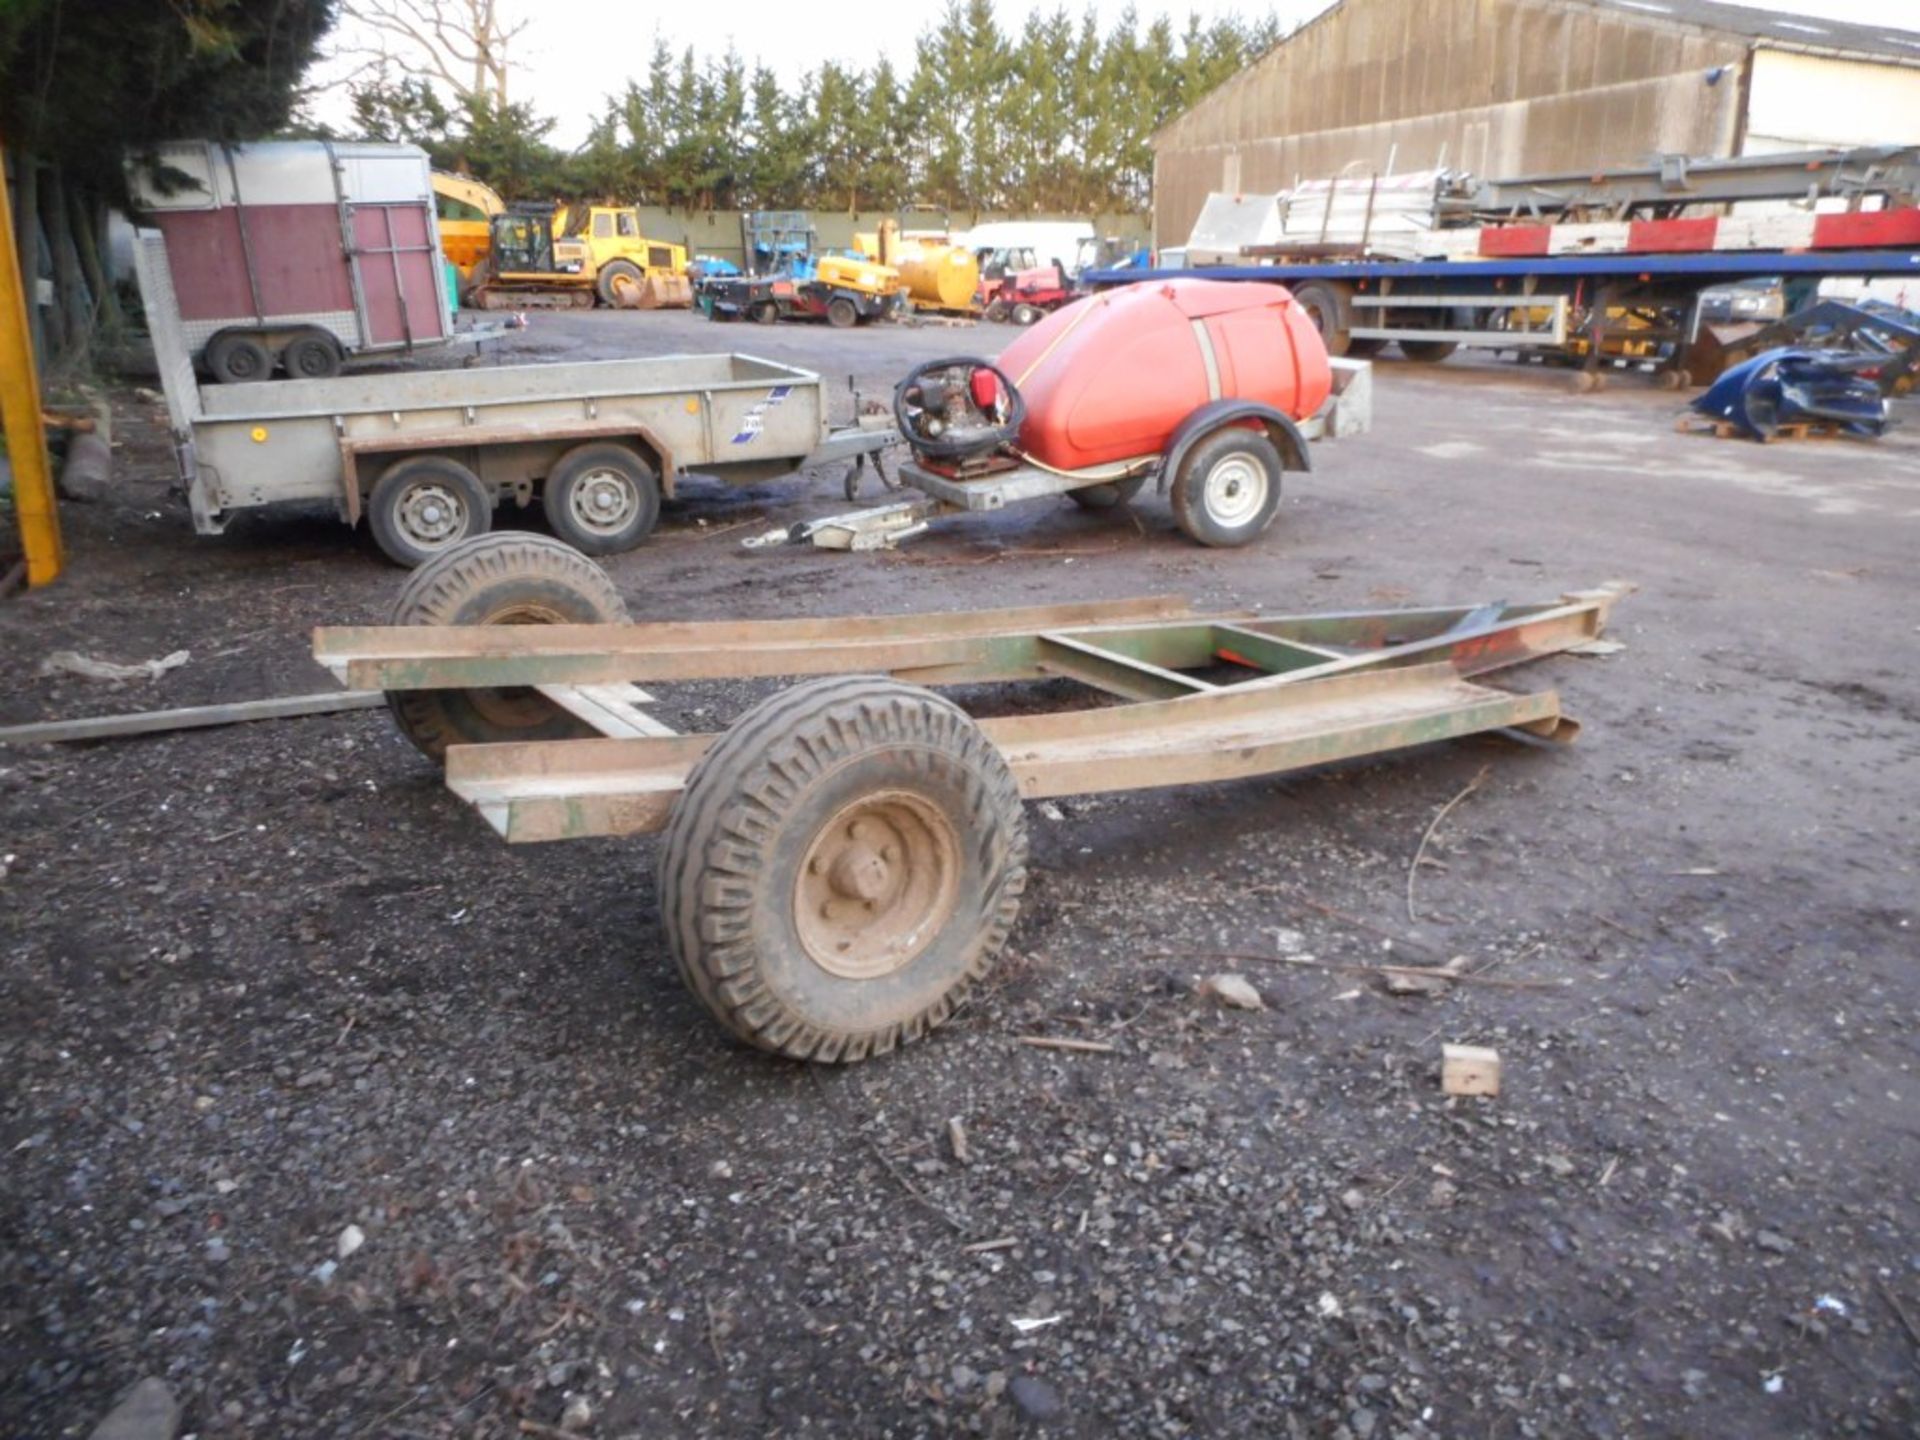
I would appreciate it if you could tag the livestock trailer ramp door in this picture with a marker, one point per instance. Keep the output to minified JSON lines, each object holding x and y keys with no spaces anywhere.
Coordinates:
{"x":846,"y":859}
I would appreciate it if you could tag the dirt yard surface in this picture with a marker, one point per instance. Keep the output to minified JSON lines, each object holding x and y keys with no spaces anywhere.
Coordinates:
{"x":347,"y":1120}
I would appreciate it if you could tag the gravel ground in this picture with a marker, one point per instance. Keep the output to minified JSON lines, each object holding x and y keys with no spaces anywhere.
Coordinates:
{"x":346,"y":1120}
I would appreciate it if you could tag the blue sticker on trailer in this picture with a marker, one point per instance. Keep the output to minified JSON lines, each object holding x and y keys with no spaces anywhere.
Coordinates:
{"x":755,"y":419}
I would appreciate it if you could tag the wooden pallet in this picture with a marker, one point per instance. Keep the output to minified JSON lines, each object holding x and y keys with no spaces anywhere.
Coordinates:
{"x":1691,"y":424}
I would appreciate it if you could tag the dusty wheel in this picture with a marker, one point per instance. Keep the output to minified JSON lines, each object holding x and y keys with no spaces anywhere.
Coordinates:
{"x":1324,"y":306}
{"x":764,"y":313}
{"x":842,"y":313}
{"x":1363,"y":349}
{"x":618,"y":284}
{"x":997,"y":311}
{"x":1109,"y":496}
{"x":1228,"y":488}
{"x":1428,"y":352}
{"x":601,"y":498}
{"x":311,"y":355}
{"x":844,"y":864}
{"x":1026,"y":314}
{"x":236,"y":359}
{"x":426,"y":505}
{"x":498,"y":580}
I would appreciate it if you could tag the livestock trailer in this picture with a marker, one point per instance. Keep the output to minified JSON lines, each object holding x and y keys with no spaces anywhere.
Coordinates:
{"x":296,"y":254}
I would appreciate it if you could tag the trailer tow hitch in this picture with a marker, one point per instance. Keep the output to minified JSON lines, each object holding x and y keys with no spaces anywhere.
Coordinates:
{"x":879,"y":527}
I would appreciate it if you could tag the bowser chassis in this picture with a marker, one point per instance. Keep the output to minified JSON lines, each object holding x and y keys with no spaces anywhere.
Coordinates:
{"x":845,"y":861}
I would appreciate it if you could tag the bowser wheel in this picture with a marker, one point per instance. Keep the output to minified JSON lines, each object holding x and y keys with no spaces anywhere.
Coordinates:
{"x":1228,"y":488}
{"x":844,"y":864}
{"x":498,"y":580}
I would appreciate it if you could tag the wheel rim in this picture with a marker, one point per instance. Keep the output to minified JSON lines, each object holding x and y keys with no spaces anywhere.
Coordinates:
{"x":516,"y":707}
{"x":1236,"y":490}
{"x":432,"y":516}
{"x":603,"y":502}
{"x":243,"y":361}
{"x":312,"y":360}
{"x":878,"y":882}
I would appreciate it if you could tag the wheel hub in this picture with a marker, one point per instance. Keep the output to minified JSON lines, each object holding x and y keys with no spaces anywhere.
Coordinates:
{"x":877,"y":883}
{"x":432,"y":515}
{"x":1236,"y":489}
{"x":603,"y":501}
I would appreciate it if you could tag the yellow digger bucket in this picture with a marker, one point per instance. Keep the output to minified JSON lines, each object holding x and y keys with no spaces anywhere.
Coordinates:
{"x":652,"y":292}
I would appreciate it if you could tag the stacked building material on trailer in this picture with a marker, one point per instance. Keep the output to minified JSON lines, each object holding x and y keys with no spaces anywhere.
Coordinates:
{"x":1386,"y":215}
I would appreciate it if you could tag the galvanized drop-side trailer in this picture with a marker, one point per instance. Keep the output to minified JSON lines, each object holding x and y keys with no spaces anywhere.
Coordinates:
{"x":426,"y":455}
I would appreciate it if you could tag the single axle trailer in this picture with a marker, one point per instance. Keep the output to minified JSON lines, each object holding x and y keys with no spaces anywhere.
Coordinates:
{"x":844,"y":862}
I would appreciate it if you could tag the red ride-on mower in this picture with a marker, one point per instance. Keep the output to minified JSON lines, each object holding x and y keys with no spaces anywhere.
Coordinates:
{"x":1210,"y":388}
{"x":1026,"y":296}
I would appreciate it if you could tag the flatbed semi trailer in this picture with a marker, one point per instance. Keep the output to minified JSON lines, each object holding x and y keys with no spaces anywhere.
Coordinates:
{"x":1579,"y":308}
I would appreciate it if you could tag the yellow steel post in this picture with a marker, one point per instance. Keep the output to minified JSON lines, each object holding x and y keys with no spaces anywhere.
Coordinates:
{"x":20,"y":416}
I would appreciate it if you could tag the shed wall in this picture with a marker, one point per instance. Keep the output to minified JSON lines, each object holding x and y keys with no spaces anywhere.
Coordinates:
{"x":1500,"y":87}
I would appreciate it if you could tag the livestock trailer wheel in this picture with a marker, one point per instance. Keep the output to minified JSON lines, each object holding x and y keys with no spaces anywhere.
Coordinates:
{"x":618,"y":284}
{"x":601,"y":498}
{"x":841,"y":313}
{"x":844,"y":863}
{"x":498,"y":580}
{"x":425,"y":506}
{"x":235,"y":359}
{"x":1110,"y":496}
{"x":311,"y":355}
{"x":1228,"y":488}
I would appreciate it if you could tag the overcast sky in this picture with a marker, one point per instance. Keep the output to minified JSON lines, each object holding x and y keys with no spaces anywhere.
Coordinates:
{"x":571,"y":56}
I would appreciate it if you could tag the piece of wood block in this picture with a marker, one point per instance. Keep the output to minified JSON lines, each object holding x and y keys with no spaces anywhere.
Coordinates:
{"x":1469,"y":1070}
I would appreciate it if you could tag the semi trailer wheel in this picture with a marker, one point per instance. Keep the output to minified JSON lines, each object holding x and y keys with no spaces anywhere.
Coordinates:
{"x":311,"y":355}
{"x":498,"y":580}
{"x":843,"y":865}
{"x":424,"y":506}
{"x":841,"y":313}
{"x":1108,"y":496}
{"x":236,"y":359}
{"x":1331,"y":314}
{"x":601,"y":498}
{"x":1228,"y":488}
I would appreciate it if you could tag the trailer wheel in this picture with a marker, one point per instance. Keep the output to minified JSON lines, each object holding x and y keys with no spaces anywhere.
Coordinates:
{"x":1109,"y":496}
{"x":844,"y":864}
{"x":312,"y":355}
{"x":237,"y":359}
{"x":841,"y":313}
{"x":426,"y":505}
{"x":1228,"y":488}
{"x":509,"y":579}
{"x":1330,"y":316}
{"x":601,"y":498}
{"x":615,"y":277}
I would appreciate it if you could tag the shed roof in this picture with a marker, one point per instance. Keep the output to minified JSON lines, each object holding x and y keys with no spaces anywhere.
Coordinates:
{"x":1776,"y":28}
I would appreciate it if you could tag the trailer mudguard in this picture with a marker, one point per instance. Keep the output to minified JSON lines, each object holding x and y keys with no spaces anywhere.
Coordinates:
{"x":1211,"y":416}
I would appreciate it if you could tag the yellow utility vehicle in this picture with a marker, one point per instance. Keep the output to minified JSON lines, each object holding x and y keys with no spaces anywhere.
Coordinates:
{"x":628,"y":270}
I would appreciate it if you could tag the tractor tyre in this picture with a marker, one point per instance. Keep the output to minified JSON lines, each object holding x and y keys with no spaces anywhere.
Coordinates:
{"x":844,"y":864}
{"x":513,"y":579}
{"x":1027,"y":314}
{"x":842,"y":314}
{"x":618,"y":284}
{"x":424,"y":506}
{"x":1228,"y":488}
{"x":601,"y":498}
{"x":997,"y":311}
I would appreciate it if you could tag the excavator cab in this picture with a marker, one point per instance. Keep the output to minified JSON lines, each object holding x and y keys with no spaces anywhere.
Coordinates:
{"x":523,"y":244}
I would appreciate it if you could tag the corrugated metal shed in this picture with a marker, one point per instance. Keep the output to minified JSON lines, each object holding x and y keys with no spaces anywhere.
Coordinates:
{"x":1498,"y":87}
